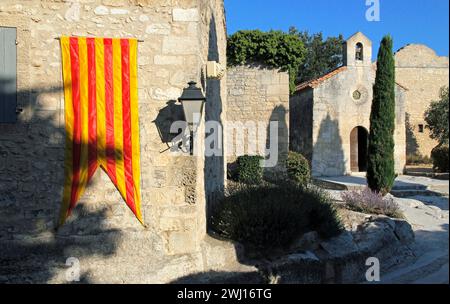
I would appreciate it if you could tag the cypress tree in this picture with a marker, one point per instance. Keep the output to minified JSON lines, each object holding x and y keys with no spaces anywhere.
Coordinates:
{"x":381,"y":172}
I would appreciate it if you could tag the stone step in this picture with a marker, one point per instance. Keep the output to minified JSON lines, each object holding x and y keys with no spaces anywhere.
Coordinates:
{"x":331,"y":185}
{"x":440,"y":176}
{"x":413,"y":192}
{"x":337,"y":185}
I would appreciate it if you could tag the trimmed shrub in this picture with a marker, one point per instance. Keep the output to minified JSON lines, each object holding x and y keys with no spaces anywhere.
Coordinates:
{"x":249,"y":170}
{"x":440,"y":158}
{"x":269,"y":217}
{"x":297,"y":167}
{"x":367,"y":201}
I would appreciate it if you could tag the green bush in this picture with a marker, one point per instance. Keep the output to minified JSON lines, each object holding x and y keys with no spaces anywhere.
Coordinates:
{"x":298,"y":169}
{"x":249,"y":170}
{"x":440,"y":158}
{"x":268,"y":217}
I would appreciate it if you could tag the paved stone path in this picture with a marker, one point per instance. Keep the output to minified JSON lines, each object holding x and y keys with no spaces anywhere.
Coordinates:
{"x":427,"y":210}
{"x":429,"y":217}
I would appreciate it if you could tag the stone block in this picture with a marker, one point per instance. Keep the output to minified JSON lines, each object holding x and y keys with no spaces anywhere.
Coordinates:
{"x":101,"y":10}
{"x":180,"y":46}
{"x":158,"y":28}
{"x":181,"y":242}
{"x":165,"y":94}
{"x":115,"y":3}
{"x":180,"y":14}
{"x":168,"y":60}
{"x":119,"y":11}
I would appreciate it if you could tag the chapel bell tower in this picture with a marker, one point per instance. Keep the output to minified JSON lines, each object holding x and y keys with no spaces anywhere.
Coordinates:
{"x":358,"y":50}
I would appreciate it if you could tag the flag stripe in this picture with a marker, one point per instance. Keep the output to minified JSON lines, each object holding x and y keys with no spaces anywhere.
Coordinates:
{"x":84,"y":111}
{"x":134,"y":113}
{"x":93,"y":164}
{"x":75,"y":69}
{"x":118,"y":125}
{"x":109,"y":111}
{"x":127,"y":144}
{"x":68,"y":109}
{"x":100,"y":96}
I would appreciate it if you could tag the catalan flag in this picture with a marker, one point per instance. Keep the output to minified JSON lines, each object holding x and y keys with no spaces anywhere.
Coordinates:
{"x":101,"y":117}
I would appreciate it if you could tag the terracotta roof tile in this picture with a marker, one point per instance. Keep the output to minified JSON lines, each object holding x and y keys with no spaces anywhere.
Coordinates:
{"x":316,"y":82}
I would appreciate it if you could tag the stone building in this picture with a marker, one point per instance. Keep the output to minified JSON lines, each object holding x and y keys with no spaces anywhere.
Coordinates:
{"x":330,"y":115}
{"x":256,"y":96}
{"x":424,"y":73}
{"x":178,"y":38}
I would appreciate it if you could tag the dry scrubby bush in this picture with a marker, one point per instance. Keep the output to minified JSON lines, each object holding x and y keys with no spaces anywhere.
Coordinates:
{"x":367,"y":201}
{"x":269,"y":217}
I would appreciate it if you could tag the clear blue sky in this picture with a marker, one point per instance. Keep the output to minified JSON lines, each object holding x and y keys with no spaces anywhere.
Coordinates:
{"x":408,"y":21}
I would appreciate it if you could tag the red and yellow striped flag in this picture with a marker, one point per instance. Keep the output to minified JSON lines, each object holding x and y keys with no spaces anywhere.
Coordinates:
{"x":101,"y":114}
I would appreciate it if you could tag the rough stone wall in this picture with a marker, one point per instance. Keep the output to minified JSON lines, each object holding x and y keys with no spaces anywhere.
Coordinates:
{"x":256,"y":96}
{"x":423,"y":72}
{"x":336,"y":113}
{"x":102,"y":233}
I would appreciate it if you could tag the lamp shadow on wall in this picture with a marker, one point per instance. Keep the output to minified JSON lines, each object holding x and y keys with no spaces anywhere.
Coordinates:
{"x":168,"y":115}
{"x":31,"y":185}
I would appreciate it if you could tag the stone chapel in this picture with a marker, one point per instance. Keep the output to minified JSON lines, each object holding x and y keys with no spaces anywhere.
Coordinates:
{"x":330,"y":115}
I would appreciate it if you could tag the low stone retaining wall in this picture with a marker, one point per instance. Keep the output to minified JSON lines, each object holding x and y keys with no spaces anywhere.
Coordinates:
{"x":314,"y":261}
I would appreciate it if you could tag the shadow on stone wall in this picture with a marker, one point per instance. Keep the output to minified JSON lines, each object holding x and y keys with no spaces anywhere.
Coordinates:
{"x":31,"y":184}
{"x":214,"y":170}
{"x":328,"y":154}
{"x":412,"y":146}
{"x":279,"y":114}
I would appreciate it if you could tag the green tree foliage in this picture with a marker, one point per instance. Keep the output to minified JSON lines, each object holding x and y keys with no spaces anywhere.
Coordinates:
{"x":437,"y":118}
{"x":380,"y":172}
{"x":322,"y":55}
{"x":274,"y":48}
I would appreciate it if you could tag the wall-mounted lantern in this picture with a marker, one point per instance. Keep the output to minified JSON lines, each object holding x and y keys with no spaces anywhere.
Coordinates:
{"x":192,"y":101}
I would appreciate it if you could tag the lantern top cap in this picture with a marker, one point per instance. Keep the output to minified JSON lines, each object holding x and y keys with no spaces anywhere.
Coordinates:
{"x":192,"y":93}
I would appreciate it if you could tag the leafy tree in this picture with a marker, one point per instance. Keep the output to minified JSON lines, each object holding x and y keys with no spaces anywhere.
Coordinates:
{"x":380,"y":172}
{"x":436,"y":118}
{"x":322,"y":55}
{"x":274,"y":48}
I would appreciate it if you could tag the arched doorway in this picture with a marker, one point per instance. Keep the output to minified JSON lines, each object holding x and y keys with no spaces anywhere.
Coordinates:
{"x":359,"y":141}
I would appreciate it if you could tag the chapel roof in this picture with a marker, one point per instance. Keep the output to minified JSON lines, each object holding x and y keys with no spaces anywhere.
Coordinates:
{"x":314,"y":83}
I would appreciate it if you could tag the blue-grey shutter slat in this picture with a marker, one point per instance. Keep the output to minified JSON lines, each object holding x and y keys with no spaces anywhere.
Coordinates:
{"x":8,"y":75}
